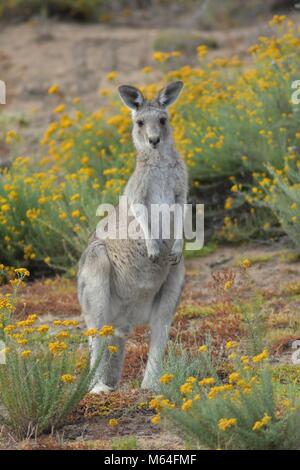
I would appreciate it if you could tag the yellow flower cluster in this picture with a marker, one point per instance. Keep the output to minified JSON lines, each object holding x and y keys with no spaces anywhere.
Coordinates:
{"x":67,"y":378}
{"x":106,"y":330}
{"x":226,"y":423}
{"x":57,"y":347}
{"x":260,"y":357}
{"x":165,"y":56}
{"x":166,"y":378}
{"x":261,"y":423}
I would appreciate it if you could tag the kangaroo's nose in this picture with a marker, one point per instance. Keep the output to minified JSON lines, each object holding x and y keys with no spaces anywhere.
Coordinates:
{"x":154,"y":140}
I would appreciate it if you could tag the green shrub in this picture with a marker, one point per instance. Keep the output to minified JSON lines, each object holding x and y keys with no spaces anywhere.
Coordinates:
{"x":124,"y":443}
{"x":282,"y":196}
{"x":183,"y":41}
{"x":46,"y":372}
{"x":243,"y":410}
{"x":80,"y":9}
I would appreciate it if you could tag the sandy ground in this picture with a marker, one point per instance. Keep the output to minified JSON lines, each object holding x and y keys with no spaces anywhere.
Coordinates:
{"x":36,"y":54}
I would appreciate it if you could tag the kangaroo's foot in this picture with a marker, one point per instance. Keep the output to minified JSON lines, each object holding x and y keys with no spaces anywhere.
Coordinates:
{"x":100,"y":387}
{"x":149,"y":384}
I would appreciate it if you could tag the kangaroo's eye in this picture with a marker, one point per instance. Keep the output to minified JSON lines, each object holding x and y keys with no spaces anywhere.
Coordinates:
{"x":140,"y":123}
{"x":163,"y":121}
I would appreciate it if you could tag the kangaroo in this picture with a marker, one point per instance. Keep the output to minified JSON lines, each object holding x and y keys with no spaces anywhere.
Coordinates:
{"x":129,"y":282}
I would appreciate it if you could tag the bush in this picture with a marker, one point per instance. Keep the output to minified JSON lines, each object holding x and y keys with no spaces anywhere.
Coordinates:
{"x":281,"y":194}
{"x":78,"y":9}
{"x":244,"y":409}
{"x":54,"y":205}
{"x":46,"y":372}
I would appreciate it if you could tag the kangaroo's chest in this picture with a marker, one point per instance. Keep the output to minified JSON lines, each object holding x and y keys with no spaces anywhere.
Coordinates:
{"x":162,"y":187}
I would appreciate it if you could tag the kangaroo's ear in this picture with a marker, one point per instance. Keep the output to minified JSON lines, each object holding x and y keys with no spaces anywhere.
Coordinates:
{"x":168,"y":95}
{"x":131,"y":96}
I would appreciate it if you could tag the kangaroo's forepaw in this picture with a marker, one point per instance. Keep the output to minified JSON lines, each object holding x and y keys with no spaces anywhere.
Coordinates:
{"x":176,"y":252}
{"x":174,"y":257}
{"x":100,"y":387}
{"x":153,"y":257}
{"x":153,"y":250}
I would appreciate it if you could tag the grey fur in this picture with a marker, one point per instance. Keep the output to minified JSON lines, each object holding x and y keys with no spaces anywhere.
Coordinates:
{"x":125,"y":283}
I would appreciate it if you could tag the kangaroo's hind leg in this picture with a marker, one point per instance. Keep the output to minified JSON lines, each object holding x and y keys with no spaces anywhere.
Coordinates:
{"x":95,"y":299}
{"x":164,"y":308}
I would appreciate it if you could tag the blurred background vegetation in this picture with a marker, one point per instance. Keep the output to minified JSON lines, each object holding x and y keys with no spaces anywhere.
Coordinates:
{"x":205,"y":14}
{"x":66,"y":142}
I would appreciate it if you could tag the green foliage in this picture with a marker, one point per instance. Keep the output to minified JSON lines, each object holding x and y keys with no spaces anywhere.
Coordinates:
{"x":81,"y":9}
{"x":282,"y":196}
{"x":32,"y":391}
{"x":183,"y":41}
{"x":232,"y":120}
{"x":253,"y":317}
{"x":46,"y":371}
{"x":124,"y":443}
{"x":182,"y":364}
{"x":287,"y":373}
{"x":209,"y":248}
{"x":243,"y":410}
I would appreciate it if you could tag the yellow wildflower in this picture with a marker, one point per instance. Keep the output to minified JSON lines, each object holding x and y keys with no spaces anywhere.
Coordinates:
{"x":43,"y":328}
{"x":234,"y":377}
{"x":147,"y":69}
{"x":246,"y":263}
{"x":231,"y":344}
{"x":68,"y":378}
{"x":261,"y":423}
{"x":202,"y":50}
{"x":191,"y":380}
{"x":106,"y":330}
{"x":26,"y":353}
{"x":155,"y":419}
{"x":260,"y":357}
{"x":187,"y":405}
{"x":10,"y":136}
{"x":90,"y":332}
{"x":166,"y":378}
{"x":207,"y":381}
{"x":53,"y":90}
{"x":22,"y":271}
{"x":60,"y":108}
{"x":228,"y":285}
{"x":226,"y":423}
{"x":63,"y":334}
{"x":9,"y":328}
{"x":186,"y":388}
{"x":111,"y":76}
{"x":113,"y":423}
{"x":57,"y":347}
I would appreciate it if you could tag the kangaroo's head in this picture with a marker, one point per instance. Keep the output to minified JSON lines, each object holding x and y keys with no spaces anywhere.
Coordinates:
{"x":151,"y":129}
